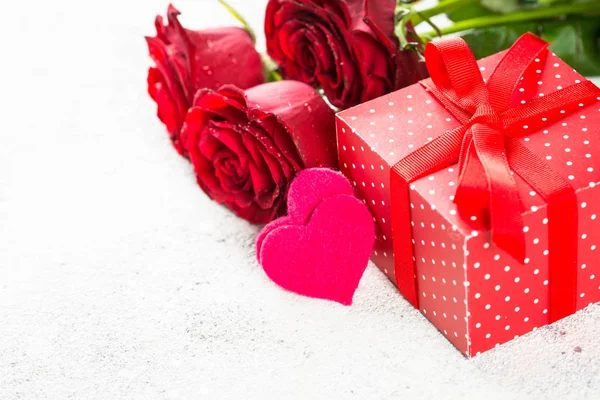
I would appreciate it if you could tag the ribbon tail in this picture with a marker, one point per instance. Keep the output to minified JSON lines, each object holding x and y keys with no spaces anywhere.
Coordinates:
{"x":505,"y":207}
{"x":472,"y":195}
{"x":562,"y":226}
{"x":404,"y":260}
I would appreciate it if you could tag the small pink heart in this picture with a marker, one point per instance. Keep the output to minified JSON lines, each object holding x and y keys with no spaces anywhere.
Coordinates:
{"x":310,"y":187}
{"x":326,"y":257}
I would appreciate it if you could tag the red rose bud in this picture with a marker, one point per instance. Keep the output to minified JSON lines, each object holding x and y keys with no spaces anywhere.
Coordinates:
{"x":188,"y":60}
{"x":247,"y":146}
{"x":346,"y":47}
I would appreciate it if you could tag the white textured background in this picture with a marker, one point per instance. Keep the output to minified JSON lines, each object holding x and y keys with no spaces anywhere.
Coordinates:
{"x":120,"y":279}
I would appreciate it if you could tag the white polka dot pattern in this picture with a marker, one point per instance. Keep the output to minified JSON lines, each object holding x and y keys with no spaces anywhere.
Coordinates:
{"x":371,"y":185}
{"x":474,"y":293}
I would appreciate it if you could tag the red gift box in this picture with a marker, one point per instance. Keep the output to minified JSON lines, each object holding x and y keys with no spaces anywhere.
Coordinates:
{"x":482,"y":286}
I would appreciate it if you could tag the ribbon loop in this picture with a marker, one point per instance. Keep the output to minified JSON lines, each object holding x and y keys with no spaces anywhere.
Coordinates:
{"x":503,"y":81}
{"x":454,"y":70}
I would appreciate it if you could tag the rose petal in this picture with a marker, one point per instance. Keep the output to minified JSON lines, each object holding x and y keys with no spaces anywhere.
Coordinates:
{"x":266,"y":191}
{"x":229,"y":135}
{"x":159,"y":54}
{"x":305,"y":116}
{"x":168,"y":111}
{"x":380,"y":13}
{"x":209,"y":146}
{"x":225,"y":56}
{"x":232,"y":109}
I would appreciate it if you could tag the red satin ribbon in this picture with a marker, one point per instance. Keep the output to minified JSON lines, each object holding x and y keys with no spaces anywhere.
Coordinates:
{"x":486,"y":148}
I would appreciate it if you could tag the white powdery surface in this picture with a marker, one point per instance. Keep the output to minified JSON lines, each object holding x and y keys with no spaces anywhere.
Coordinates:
{"x":120,"y":279}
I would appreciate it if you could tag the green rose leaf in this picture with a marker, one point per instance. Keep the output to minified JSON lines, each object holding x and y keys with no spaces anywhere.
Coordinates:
{"x":471,"y":11}
{"x":577,"y":43}
{"x":502,"y":6}
{"x":575,"y":40}
{"x":487,"y":41}
{"x":489,"y":7}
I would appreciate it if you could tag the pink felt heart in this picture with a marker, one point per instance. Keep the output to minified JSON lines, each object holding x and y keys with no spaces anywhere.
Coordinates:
{"x":326,"y":257}
{"x":310,"y":187}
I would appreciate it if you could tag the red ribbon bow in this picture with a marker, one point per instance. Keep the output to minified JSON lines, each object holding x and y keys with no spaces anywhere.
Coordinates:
{"x":487,"y":148}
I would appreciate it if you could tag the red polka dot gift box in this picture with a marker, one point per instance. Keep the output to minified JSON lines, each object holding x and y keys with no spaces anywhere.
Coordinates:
{"x":483,"y":181}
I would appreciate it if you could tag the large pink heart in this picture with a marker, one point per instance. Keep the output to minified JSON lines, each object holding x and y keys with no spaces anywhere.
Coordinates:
{"x":324,"y":258}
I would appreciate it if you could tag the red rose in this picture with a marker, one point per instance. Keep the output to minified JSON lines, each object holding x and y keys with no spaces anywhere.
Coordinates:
{"x":348,"y":47}
{"x":188,"y":60}
{"x":247,"y":146}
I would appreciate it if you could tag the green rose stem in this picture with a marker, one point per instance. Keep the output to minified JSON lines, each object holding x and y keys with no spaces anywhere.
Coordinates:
{"x":441,"y":8}
{"x":270,"y":69}
{"x":406,"y":14}
{"x":274,"y":76}
{"x":591,"y":8}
